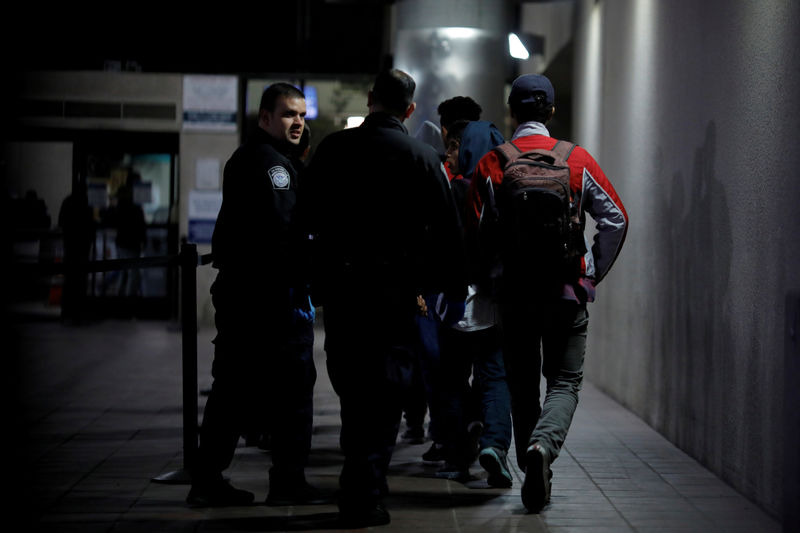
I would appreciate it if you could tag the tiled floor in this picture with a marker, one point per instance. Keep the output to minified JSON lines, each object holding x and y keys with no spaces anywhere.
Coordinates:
{"x":104,"y":417}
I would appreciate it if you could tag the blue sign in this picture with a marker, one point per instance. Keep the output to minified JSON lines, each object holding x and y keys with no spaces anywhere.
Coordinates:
{"x":312,"y":108}
{"x":200,"y":231}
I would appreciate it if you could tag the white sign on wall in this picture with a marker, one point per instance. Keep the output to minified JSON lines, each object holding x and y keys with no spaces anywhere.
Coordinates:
{"x":203,"y":210}
{"x":210,"y":102}
{"x":207,"y":173}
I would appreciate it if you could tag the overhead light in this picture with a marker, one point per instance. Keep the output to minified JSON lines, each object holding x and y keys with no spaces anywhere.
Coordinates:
{"x":354,"y":122}
{"x":516,"y":48}
{"x":458,"y":32}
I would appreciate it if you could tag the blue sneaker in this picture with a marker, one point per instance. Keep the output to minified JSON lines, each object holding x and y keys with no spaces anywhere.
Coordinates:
{"x":494,"y":462}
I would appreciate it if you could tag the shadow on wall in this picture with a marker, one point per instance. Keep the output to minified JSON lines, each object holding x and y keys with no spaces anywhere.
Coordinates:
{"x":696,"y":372}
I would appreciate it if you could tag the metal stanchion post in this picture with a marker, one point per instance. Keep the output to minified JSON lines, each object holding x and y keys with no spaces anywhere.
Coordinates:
{"x":189,"y":335}
{"x":791,"y":417}
{"x":188,"y":273}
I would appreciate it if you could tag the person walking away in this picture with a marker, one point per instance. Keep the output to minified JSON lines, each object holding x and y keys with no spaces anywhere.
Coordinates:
{"x":548,"y":276}
{"x":457,"y":108}
{"x":477,"y":415}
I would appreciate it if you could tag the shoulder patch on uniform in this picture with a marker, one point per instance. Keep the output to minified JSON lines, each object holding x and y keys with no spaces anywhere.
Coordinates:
{"x":280,"y":177}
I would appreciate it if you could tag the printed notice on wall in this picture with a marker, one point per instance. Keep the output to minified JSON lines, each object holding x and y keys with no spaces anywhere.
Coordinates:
{"x":203,"y":210}
{"x":207,"y":173}
{"x":210,"y":102}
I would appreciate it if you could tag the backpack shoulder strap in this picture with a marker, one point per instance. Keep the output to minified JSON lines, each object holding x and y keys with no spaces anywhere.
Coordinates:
{"x":563,"y":149}
{"x":508,"y":151}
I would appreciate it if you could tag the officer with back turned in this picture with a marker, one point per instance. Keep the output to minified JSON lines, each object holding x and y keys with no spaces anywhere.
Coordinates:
{"x":385,"y":229}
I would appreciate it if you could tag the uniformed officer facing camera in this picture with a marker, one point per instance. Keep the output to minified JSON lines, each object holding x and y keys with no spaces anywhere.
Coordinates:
{"x":263,"y":365}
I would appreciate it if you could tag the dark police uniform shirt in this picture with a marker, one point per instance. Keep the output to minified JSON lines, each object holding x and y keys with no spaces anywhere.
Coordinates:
{"x":384,"y":218}
{"x":250,"y":243}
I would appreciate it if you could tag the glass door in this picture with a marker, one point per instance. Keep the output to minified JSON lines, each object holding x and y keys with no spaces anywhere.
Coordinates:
{"x":132,"y":186}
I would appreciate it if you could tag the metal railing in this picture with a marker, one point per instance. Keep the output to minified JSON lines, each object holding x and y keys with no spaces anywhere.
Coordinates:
{"x":187,"y":260}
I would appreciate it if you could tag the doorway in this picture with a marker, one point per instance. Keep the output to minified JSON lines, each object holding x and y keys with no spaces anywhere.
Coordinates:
{"x":131,"y":179}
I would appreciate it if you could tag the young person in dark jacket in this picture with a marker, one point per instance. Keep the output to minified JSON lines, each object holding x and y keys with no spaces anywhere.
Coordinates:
{"x":476,"y":417}
{"x":385,"y":229}
{"x":452,"y":110}
{"x":263,"y":357}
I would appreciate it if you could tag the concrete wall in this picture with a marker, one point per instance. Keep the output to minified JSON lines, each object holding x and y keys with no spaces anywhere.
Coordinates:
{"x":692,"y":110}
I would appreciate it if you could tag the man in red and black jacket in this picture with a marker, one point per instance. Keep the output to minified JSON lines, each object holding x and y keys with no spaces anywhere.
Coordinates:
{"x":548,"y":335}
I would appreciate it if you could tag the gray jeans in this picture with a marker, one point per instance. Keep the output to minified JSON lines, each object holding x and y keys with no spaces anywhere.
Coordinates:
{"x":548,"y":340}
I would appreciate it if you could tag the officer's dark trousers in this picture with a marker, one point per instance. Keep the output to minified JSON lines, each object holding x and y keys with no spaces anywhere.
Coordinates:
{"x":546,"y":339}
{"x":369,"y":360}
{"x":259,"y":373}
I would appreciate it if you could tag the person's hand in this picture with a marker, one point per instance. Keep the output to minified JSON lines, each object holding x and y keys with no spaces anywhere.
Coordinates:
{"x":422,"y":306}
{"x":305,"y":314}
{"x":302,"y":308}
{"x":449,"y":311}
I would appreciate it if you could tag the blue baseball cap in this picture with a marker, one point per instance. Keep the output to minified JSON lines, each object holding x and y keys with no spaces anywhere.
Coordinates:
{"x":524,"y":89}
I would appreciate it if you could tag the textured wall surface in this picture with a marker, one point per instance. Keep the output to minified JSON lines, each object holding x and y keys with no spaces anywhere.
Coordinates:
{"x":691,"y":108}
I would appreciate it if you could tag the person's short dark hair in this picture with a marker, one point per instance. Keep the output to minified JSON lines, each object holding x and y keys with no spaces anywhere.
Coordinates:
{"x":271,"y":94}
{"x":394,"y":90}
{"x":456,"y":130}
{"x":532,"y":111}
{"x":458,"y":108}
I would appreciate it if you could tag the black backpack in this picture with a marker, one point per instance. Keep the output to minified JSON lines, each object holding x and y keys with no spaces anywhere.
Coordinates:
{"x":531,"y":232}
